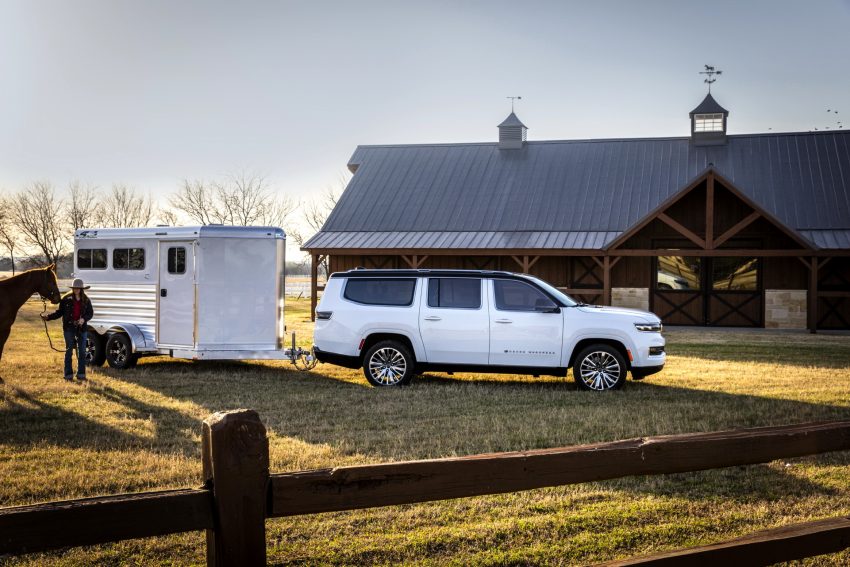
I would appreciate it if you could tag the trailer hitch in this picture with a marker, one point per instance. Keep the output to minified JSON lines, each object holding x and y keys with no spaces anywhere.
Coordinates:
{"x":302,"y":359}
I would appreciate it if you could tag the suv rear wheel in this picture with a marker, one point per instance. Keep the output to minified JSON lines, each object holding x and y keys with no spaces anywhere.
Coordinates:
{"x":600,"y":367}
{"x":388,"y":363}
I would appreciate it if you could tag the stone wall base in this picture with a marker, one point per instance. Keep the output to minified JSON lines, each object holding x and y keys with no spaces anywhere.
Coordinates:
{"x":631,"y":297}
{"x":785,"y":308}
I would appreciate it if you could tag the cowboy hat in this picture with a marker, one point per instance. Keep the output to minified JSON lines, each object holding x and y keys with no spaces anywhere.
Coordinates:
{"x":78,"y":284}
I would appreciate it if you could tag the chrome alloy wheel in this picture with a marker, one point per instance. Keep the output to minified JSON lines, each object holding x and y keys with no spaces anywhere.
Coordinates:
{"x":600,"y":370}
{"x":90,"y":350}
{"x":118,"y":352}
{"x":387,"y":366}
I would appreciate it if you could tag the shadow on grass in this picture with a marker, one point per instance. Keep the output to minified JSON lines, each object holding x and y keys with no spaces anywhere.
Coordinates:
{"x":27,"y":421}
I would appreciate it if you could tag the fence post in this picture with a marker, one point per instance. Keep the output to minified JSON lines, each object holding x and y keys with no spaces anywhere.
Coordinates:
{"x":235,"y":452}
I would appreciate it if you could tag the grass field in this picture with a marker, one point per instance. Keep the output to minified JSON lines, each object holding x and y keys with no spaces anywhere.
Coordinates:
{"x":140,"y":430}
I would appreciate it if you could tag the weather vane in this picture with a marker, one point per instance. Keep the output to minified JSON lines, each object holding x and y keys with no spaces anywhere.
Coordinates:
{"x":513,"y":98}
{"x":710,"y":71}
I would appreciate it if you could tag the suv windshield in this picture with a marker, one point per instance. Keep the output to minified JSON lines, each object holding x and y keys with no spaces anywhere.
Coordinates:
{"x":555,"y":292}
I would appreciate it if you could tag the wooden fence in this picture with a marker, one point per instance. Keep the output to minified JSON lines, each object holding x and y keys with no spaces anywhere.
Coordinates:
{"x":239,"y":493}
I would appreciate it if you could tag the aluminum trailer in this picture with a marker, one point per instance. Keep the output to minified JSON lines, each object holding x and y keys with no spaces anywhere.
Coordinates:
{"x":194,"y":292}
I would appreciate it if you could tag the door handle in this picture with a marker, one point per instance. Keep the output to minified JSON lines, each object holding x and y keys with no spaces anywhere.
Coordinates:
{"x":433,"y":318}
{"x":163,"y":292}
{"x":503,"y":321}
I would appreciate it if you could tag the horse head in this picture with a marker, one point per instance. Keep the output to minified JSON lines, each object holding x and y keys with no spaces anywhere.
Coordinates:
{"x":48,"y":287}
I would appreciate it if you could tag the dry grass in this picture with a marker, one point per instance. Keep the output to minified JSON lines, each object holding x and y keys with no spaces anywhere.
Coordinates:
{"x":139,"y":430}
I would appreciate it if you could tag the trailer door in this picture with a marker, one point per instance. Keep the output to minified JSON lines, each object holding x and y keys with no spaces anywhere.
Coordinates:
{"x":176,"y":320}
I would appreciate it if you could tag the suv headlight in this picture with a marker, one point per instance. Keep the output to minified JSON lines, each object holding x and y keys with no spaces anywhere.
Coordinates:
{"x":649,"y":327}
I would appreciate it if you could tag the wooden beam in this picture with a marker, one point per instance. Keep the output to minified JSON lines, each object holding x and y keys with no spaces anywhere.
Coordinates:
{"x":767,"y":547}
{"x":89,"y":521}
{"x":561,"y":252}
{"x":606,"y":280}
{"x":314,"y":284}
{"x":532,"y":262}
{"x":716,"y":253}
{"x":813,"y":296}
{"x":709,"y":212}
{"x":370,"y":486}
{"x":681,"y":229}
{"x":599,"y":262}
{"x":739,"y":226}
{"x":235,"y":454}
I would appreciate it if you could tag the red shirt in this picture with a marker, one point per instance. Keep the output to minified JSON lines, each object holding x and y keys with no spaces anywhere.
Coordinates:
{"x":78,"y":310}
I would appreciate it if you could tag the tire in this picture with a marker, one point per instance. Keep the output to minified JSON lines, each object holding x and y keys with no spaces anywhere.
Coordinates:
{"x":600,"y":367}
{"x":388,"y":363}
{"x":95,"y":349}
{"x":119,"y":351}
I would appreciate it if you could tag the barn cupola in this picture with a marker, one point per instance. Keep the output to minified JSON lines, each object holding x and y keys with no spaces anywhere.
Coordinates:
{"x":708,"y":123}
{"x":511,"y":133}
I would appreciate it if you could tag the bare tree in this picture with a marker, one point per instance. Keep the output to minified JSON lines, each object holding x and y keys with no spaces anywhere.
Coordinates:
{"x":168,"y":217}
{"x":8,"y":233}
{"x":38,"y":215}
{"x":122,"y":207}
{"x":82,"y":200}
{"x":240,"y":199}
{"x":195,"y":199}
{"x":316,"y":214}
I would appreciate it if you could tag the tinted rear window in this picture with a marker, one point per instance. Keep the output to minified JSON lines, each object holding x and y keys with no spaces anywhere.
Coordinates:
{"x":454,"y":293}
{"x":380,"y":291}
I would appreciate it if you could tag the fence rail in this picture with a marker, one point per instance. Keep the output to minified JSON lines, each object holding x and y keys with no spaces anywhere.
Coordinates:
{"x":239,"y":493}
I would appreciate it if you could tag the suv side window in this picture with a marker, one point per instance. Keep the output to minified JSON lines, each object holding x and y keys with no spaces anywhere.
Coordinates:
{"x":512,"y":295}
{"x":454,"y":293}
{"x":380,"y":291}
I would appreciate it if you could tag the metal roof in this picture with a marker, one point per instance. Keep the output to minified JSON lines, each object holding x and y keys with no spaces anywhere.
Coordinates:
{"x":456,"y":195}
{"x":461,"y":240}
{"x":709,"y":106}
{"x":512,"y":121}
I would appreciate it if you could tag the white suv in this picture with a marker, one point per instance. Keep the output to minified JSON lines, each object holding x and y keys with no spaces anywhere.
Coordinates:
{"x":396,"y":323}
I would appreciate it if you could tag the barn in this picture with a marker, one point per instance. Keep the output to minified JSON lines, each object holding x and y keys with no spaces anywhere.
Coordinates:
{"x":710,"y":229}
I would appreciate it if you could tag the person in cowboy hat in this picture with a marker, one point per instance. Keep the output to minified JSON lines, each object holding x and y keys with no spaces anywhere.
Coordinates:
{"x":76,"y":310}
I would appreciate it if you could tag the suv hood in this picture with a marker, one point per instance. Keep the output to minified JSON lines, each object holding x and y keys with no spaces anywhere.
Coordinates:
{"x":620,"y":311}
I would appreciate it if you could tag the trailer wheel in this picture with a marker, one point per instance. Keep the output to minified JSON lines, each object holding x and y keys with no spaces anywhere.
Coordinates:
{"x":388,"y":363}
{"x":119,"y":351}
{"x":95,"y":349}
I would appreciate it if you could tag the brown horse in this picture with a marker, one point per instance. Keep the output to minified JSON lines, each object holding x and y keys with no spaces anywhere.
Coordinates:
{"x":16,"y":290}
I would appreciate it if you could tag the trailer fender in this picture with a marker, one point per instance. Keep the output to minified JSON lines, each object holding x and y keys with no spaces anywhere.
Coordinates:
{"x":137,"y":338}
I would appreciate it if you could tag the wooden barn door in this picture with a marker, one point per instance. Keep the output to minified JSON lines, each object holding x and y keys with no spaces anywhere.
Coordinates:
{"x":722,"y":292}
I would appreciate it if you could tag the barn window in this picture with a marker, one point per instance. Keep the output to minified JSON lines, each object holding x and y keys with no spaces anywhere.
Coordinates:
{"x":128,"y":259}
{"x":454,"y":293}
{"x":177,"y":260}
{"x":735,"y":274}
{"x":91,"y":259}
{"x":708,"y":122}
{"x":678,"y":273}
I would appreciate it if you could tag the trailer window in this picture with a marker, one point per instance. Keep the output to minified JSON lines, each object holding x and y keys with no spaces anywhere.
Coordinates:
{"x":91,"y":259}
{"x":394,"y":292}
{"x":128,"y":259}
{"x":454,"y":293}
{"x":177,"y":260}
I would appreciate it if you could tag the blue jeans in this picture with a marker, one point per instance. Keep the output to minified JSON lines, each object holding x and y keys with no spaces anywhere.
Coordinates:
{"x":72,"y":338}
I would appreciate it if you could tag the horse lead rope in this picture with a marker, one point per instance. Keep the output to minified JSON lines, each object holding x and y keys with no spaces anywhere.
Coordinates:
{"x":46,"y":332}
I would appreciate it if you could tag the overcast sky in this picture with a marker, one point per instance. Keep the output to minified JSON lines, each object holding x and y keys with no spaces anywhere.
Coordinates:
{"x":149,"y":92}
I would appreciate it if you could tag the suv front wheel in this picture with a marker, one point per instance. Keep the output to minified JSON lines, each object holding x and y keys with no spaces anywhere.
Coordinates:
{"x":600,"y":367}
{"x":388,"y":363}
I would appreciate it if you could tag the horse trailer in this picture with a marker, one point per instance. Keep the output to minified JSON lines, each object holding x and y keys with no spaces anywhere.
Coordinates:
{"x":196,"y":292}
